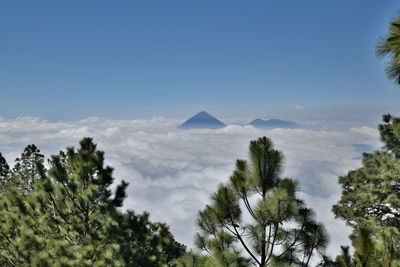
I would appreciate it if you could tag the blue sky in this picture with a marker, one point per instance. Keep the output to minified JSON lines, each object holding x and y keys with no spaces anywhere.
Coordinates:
{"x":132,"y":59}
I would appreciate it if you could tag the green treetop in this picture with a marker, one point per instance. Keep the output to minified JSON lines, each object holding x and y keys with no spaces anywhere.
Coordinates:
{"x":25,"y":172}
{"x":282,"y":230}
{"x":370,"y":202}
{"x":372,"y":191}
{"x":70,"y":217}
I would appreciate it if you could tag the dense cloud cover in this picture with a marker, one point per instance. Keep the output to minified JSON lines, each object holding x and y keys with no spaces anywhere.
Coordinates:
{"x":173,"y":172}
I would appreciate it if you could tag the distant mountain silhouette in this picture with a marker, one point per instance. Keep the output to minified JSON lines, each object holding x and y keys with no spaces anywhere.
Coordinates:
{"x":202,"y":120}
{"x":273,"y":123}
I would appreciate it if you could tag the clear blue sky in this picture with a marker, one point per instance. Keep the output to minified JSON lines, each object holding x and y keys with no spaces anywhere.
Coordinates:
{"x":73,"y":59}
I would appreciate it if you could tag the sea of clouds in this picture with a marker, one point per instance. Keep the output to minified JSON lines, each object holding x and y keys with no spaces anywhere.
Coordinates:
{"x":173,"y":172}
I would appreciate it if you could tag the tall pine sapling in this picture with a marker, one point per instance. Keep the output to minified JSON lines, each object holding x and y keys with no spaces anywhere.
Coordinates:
{"x":282,"y":230}
{"x":25,"y":172}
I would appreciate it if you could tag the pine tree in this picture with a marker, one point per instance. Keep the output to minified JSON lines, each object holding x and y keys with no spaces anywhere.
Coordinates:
{"x":372,"y":190}
{"x":4,"y":171}
{"x":143,"y":243}
{"x":345,"y":259}
{"x":25,"y":172}
{"x":67,"y":218}
{"x":365,"y":254}
{"x":389,"y":244}
{"x":70,"y":217}
{"x":193,"y":259}
{"x":390,"y":47}
{"x":390,"y":134}
{"x":282,"y":231}
{"x":370,"y":201}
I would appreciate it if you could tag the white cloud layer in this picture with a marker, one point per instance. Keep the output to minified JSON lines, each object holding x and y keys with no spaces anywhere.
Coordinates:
{"x":173,"y":172}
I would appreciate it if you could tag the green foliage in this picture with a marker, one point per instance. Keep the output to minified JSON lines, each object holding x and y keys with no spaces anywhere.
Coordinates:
{"x":370,"y":203}
{"x":282,"y":231}
{"x":363,"y":241}
{"x":372,"y":191}
{"x":390,"y":47}
{"x":26,"y":171}
{"x":68,"y":216}
{"x":374,"y":246}
{"x":390,"y":134}
{"x":225,"y":259}
{"x":345,"y":259}
{"x":146,"y":244}
{"x":193,"y":259}
{"x":4,"y":171}
{"x":389,"y":246}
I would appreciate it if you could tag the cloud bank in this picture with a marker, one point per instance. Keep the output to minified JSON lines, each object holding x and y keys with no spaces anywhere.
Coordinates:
{"x":173,"y":172}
